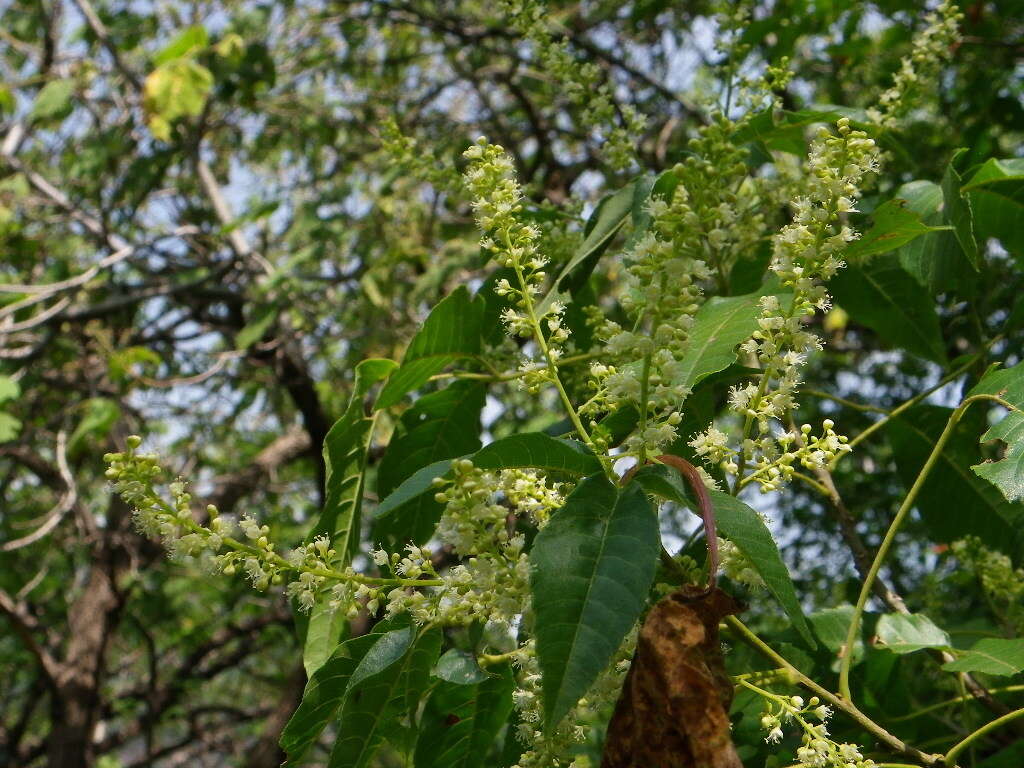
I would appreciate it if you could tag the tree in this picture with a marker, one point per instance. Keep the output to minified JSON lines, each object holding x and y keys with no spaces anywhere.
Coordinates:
{"x":448,"y":403}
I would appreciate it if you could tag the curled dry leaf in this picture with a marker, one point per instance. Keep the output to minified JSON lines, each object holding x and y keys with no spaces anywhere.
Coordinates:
{"x":673,"y":709}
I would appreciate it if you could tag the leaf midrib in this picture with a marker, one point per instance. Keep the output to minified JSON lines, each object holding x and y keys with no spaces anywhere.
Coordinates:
{"x":586,"y":600}
{"x":402,"y":665}
{"x":928,"y":343}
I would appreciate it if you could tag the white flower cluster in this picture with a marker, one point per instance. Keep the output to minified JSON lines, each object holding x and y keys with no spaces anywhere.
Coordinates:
{"x":919,"y":71}
{"x":491,"y":581}
{"x":805,"y":253}
{"x":133,"y":476}
{"x":557,"y":748}
{"x":663,"y":290}
{"x":721,"y":217}
{"x":773,"y":458}
{"x":579,"y":82}
{"x":497,"y":201}
{"x":737,"y":566}
{"x":409,"y":597}
{"x":817,"y":749}
{"x":309,"y":571}
{"x":528,"y":493}
{"x":310,"y":561}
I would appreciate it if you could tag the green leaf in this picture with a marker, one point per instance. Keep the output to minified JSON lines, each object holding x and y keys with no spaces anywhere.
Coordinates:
{"x":323,"y":633}
{"x":935,"y":259}
{"x":461,"y":722}
{"x":263,"y":317}
{"x":188,"y":43}
{"x":176,"y":89}
{"x":903,"y":633}
{"x":992,"y":656}
{"x":608,"y":216}
{"x":440,"y":425}
{"x":718,"y":326}
{"x":995,"y":173}
{"x":323,"y":696}
{"x":663,"y":187}
{"x":783,"y":130}
{"x":1007,"y":474}
{"x":535,"y":450}
{"x":1007,"y":383}
{"x":459,"y":667}
{"x":957,"y":209}
{"x":376,"y":703}
{"x":53,"y":101}
{"x":344,"y":452}
{"x":996,"y":194}
{"x":883,"y":296}
{"x":410,"y":513}
{"x":492,"y":327}
{"x":954,"y":502}
{"x":590,"y":571}
{"x":617,"y":425}
{"x":512,"y":748}
{"x":831,"y":624}
{"x":100,"y":417}
{"x":10,"y":427}
{"x":9,"y":389}
{"x":922,"y":197}
{"x":451,"y":332}
{"x":748,"y":271}
{"x":894,"y":224}
{"x":745,"y":528}
{"x":389,"y":648}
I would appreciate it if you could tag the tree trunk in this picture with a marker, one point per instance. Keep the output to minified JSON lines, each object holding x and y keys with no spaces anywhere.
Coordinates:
{"x":91,"y":620}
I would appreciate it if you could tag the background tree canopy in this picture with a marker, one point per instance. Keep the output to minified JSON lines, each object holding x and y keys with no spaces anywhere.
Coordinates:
{"x":212,"y":213}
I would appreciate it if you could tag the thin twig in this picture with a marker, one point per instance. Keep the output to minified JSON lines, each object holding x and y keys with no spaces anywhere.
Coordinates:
{"x":890,"y":535}
{"x":916,"y":399}
{"x":67,"y":501}
{"x":844,"y":705}
{"x":955,"y":751}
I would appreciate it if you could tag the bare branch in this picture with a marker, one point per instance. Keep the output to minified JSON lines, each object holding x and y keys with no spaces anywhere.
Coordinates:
{"x":100,"y":30}
{"x":25,"y":626}
{"x":231,"y":488}
{"x":67,"y":501}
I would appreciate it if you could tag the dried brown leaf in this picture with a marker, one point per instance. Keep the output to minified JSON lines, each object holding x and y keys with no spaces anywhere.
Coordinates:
{"x":674,"y":705}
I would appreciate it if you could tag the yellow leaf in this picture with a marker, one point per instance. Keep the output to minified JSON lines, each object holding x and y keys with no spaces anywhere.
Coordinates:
{"x":160,"y":128}
{"x":176,"y":89}
{"x":232,"y":47}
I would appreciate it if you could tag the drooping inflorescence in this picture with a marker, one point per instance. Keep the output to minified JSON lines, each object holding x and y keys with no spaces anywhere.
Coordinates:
{"x":919,"y":70}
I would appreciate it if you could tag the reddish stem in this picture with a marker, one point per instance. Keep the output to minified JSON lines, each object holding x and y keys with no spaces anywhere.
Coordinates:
{"x":707,"y":510}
